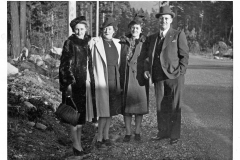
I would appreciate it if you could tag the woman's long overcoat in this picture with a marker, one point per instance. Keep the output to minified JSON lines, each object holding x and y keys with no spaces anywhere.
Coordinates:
{"x":101,"y":74}
{"x":135,"y":86}
{"x":76,"y":69}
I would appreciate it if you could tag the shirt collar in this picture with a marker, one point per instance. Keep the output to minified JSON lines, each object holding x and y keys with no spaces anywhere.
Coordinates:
{"x":164,"y":32}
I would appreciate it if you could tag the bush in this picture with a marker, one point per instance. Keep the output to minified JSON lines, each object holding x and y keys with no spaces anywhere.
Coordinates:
{"x":221,"y":49}
{"x":194,"y":47}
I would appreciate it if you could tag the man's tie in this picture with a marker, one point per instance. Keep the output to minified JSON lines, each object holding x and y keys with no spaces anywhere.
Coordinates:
{"x":161,"y":35}
{"x":161,"y":38}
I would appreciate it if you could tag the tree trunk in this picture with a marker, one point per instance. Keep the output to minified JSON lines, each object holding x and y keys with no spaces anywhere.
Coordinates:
{"x":52,"y":35}
{"x":97,"y":19}
{"x":226,"y":32}
{"x":201,"y":23}
{"x":30,"y":25}
{"x":15,"y":29}
{"x":23,"y":23}
{"x":230,"y":34}
{"x":71,"y":14}
{"x":90,"y":19}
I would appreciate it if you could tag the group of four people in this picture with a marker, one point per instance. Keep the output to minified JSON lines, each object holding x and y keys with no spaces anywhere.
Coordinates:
{"x":106,"y":76}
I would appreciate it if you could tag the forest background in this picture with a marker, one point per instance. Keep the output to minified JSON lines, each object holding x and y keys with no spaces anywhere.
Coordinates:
{"x":42,"y":25}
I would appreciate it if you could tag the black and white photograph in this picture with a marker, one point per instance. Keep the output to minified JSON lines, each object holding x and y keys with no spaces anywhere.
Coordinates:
{"x":120,"y":80}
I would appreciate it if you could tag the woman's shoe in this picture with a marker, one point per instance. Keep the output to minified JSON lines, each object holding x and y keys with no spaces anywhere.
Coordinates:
{"x":107,"y":142}
{"x":127,"y":138}
{"x":137,"y":137}
{"x":76,"y":152}
{"x":173,"y":141}
{"x":100,"y":145}
{"x":160,"y":136}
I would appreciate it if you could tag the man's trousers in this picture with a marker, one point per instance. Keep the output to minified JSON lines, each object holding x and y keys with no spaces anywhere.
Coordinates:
{"x":168,"y":100}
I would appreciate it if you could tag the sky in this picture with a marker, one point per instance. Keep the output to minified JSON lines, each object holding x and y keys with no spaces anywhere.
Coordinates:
{"x":145,"y":5}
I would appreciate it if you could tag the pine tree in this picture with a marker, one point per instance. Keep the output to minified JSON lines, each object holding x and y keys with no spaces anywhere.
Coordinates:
{"x":23,"y":23}
{"x":15,"y":37}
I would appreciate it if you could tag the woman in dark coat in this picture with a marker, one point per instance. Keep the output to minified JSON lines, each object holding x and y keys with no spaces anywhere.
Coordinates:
{"x":76,"y":78}
{"x":135,"y":87}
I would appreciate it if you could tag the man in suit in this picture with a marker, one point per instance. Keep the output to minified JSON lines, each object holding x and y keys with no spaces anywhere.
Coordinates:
{"x":167,"y":53}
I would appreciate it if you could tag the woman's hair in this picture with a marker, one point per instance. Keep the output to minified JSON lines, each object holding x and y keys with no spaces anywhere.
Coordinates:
{"x":81,"y":22}
{"x":115,"y":28}
{"x":133,"y":23}
{"x":130,"y":26}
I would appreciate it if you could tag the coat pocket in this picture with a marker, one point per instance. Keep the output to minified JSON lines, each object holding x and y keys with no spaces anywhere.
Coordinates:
{"x":173,"y":66}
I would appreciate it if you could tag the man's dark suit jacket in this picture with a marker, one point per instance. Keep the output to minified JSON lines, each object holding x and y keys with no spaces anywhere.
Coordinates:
{"x":174,"y":55}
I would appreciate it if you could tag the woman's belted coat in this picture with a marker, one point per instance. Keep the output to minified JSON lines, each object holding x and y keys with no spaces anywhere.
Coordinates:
{"x":101,"y":74}
{"x":135,"y":87}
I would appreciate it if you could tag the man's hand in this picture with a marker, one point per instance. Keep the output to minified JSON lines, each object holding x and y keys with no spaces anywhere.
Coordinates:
{"x":147,"y":75}
{"x":69,"y":91}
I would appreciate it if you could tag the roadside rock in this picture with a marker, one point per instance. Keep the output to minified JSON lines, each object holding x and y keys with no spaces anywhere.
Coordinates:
{"x":31,"y":124}
{"x":21,"y":134}
{"x":40,"y":62}
{"x":222,"y":45}
{"x":21,"y":138}
{"x":47,"y":56}
{"x":41,"y":126}
{"x":56,"y":52}
{"x":29,"y":105}
{"x":229,"y":53}
{"x":34,"y":58}
{"x":32,"y":67}
{"x":11,"y":70}
{"x":40,"y":80}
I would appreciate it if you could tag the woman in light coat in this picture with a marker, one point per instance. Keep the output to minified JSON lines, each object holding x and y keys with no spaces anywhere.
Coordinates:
{"x":106,"y":57}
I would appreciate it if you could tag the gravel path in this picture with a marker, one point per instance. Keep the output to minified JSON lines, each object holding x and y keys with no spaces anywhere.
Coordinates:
{"x":190,"y":147}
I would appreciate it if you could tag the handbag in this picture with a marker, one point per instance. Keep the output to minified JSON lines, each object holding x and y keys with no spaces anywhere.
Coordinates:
{"x":67,"y":112}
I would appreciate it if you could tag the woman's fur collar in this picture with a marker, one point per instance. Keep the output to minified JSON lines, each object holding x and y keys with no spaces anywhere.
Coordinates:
{"x":127,"y":38}
{"x":78,"y":41}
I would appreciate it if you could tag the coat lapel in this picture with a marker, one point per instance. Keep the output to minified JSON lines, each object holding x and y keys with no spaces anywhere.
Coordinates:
{"x":137,"y":51}
{"x":100,"y":48}
{"x":154,"y":41}
{"x":168,"y":38}
{"x":118,"y":46}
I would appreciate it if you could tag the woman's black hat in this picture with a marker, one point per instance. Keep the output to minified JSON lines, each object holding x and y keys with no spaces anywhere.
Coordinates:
{"x":138,"y":19}
{"x":109,"y":21}
{"x":77,"y":20}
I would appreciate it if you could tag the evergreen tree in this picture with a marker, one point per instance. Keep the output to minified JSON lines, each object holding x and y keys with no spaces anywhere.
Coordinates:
{"x":15,"y":34}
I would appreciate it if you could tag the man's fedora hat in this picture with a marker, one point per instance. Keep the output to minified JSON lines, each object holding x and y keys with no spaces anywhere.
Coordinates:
{"x":109,"y":21}
{"x":165,"y":10}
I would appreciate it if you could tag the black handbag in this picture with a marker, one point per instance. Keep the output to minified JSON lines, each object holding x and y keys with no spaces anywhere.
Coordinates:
{"x":67,"y":112}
